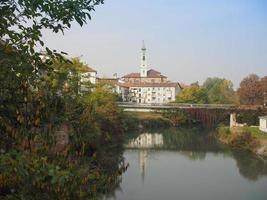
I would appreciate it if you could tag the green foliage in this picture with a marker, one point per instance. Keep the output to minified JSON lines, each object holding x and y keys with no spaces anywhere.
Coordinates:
{"x":95,"y":128}
{"x":213,"y":91}
{"x":130,"y":121}
{"x":193,"y":94}
{"x":43,"y":95}
{"x":251,"y":166}
{"x":220,"y":91}
{"x":192,"y":140}
{"x":28,"y":176}
{"x":30,"y":87}
{"x":178,"y":117}
{"x":251,"y":118}
{"x":22,"y":21}
{"x":238,"y":138}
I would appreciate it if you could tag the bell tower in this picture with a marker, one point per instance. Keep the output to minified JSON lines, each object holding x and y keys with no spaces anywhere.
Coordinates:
{"x":143,"y":66}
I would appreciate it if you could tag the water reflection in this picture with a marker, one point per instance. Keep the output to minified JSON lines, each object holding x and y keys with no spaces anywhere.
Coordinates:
{"x":251,"y":167}
{"x":146,"y":140}
{"x":194,"y":145}
{"x":188,"y":164}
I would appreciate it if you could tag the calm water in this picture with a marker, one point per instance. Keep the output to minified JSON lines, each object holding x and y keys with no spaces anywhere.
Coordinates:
{"x":186,"y":164}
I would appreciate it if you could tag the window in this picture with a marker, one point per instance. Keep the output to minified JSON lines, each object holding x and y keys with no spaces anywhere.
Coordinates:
{"x":139,"y":89}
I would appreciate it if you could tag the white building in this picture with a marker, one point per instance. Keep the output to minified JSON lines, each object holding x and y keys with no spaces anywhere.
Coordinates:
{"x":147,"y":86}
{"x":88,"y":74}
{"x":263,"y":123}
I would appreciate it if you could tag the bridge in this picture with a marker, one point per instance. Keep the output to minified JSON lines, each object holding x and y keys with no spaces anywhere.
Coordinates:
{"x":139,"y":107}
{"x":209,"y":114}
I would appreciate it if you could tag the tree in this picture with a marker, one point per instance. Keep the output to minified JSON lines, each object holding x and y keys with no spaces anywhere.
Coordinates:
{"x":193,"y":94}
{"x":220,"y":91}
{"x":22,"y":68}
{"x":264,"y":89}
{"x":250,"y":90}
{"x":22,"y":21}
{"x":263,"y":82}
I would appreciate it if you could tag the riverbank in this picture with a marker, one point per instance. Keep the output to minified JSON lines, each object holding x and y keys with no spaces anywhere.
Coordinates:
{"x":244,"y":138}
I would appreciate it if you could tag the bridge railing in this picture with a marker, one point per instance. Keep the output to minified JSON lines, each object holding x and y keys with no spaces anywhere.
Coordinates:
{"x":173,"y":105}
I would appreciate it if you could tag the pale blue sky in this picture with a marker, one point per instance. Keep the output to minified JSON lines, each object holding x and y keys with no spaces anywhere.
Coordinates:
{"x":187,"y":40}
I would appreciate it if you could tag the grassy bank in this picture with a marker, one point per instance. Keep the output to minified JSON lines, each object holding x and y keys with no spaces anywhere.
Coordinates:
{"x":244,"y":138}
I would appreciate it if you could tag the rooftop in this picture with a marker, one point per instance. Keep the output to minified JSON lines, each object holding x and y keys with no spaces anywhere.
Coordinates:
{"x":150,"y":74}
{"x":166,"y":84}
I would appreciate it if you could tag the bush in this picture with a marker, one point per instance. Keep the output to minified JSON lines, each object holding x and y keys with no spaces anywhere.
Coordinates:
{"x":237,"y":138}
{"x":244,"y":141}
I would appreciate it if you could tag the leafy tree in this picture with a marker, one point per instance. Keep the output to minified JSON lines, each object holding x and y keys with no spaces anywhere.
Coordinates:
{"x":28,"y":81}
{"x":40,"y":92}
{"x":214,"y":90}
{"x":22,"y":21}
{"x":264,"y":86}
{"x":250,"y":90}
{"x":220,"y":91}
{"x":193,"y":94}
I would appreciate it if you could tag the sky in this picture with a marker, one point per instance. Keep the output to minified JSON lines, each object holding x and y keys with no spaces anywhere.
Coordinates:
{"x":186,"y":40}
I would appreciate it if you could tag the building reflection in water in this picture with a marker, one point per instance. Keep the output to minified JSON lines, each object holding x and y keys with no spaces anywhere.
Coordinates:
{"x":144,"y":142}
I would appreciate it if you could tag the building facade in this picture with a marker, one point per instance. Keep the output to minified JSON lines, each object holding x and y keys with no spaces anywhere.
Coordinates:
{"x":147,"y":86}
{"x":88,"y":75}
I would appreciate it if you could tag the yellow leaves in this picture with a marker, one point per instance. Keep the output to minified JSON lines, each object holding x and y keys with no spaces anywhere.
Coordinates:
{"x":54,"y":83}
{"x":37,"y":122}
{"x":7,"y":180}
{"x":66,"y":87}
{"x":94,"y":188}
{"x":82,"y":193}
{"x":20,"y":118}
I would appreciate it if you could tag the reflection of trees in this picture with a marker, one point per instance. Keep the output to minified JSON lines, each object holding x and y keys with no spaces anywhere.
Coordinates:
{"x":190,"y":140}
{"x":112,"y":192}
{"x":195,"y":143}
{"x":250,"y":166}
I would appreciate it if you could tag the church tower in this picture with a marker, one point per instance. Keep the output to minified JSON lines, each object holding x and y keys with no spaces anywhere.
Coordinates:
{"x":143,"y":66}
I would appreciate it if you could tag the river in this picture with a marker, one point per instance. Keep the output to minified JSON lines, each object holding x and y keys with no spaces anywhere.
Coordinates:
{"x":188,"y":164}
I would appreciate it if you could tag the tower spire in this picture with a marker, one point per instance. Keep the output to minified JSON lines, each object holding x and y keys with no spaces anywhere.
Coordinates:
{"x":143,"y":66}
{"x":143,"y":45}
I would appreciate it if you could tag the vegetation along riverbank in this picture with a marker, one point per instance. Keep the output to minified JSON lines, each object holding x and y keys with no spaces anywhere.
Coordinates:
{"x":244,"y":138}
